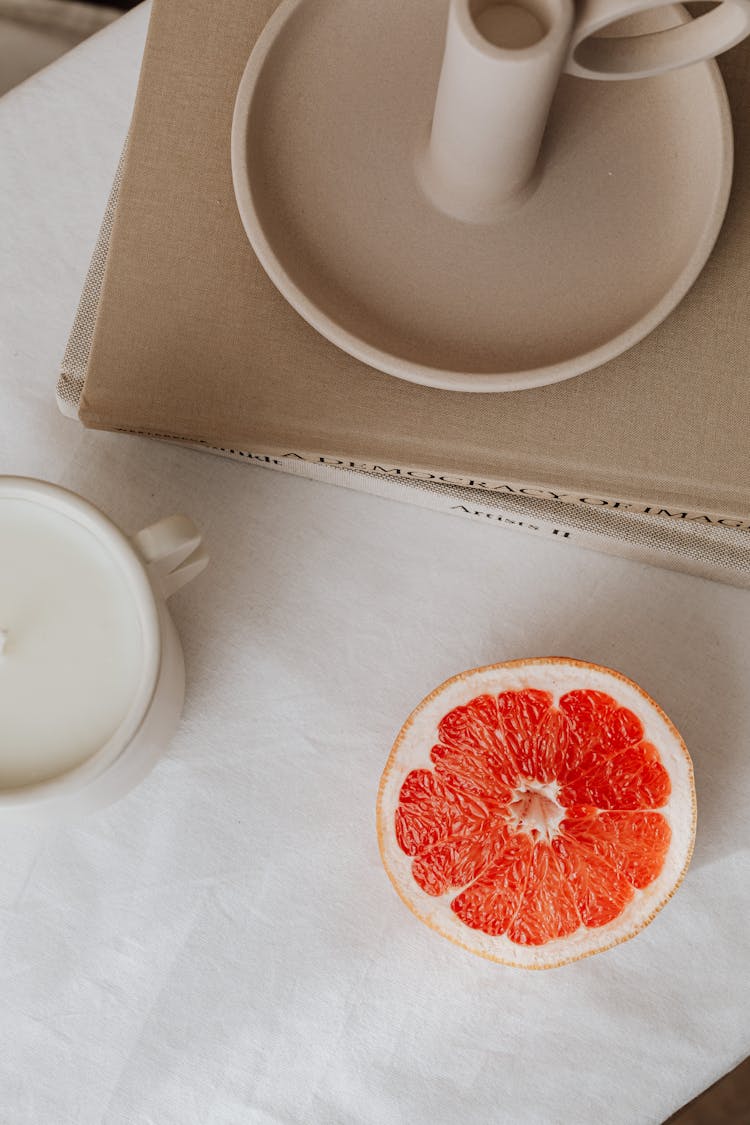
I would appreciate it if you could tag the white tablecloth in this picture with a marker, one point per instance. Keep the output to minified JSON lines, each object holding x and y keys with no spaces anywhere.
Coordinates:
{"x":223,"y":945}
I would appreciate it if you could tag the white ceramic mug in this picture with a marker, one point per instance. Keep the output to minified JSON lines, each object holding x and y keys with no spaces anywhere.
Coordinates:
{"x":152,"y":565}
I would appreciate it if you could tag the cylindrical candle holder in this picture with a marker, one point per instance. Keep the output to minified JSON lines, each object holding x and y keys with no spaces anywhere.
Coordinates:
{"x":500,"y":70}
{"x":398,"y":187}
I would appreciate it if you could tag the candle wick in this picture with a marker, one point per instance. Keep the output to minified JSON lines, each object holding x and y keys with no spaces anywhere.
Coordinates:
{"x":3,"y":640}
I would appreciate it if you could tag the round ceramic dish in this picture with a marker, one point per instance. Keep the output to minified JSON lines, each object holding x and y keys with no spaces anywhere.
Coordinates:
{"x":154,"y":563}
{"x":332,"y":116}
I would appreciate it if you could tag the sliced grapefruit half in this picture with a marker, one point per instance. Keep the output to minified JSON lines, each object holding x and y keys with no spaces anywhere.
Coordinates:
{"x":538,"y":811}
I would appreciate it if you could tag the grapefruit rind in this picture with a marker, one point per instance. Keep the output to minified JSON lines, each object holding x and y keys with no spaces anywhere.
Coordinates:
{"x":558,"y":676}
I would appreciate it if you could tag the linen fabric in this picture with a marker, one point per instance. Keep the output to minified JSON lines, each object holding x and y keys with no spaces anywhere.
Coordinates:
{"x":222,"y":947}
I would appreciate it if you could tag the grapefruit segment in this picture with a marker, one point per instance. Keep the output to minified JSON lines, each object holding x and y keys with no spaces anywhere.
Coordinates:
{"x":537,"y":811}
{"x":635,"y":843}
{"x":425,"y":813}
{"x":471,"y":726}
{"x":600,"y":891}
{"x":598,"y":723}
{"x":491,"y":903}
{"x":528,"y":729}
{"x":547,"y":909}
{"x":630,"y":779}
{"x":486,"y":774}
{"x":452,"y":863}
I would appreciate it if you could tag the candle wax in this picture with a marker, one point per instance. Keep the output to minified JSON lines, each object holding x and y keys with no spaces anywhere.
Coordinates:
{"x":72,"y":652}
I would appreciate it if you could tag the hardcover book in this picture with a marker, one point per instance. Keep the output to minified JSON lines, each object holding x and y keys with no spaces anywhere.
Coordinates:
{"x":181,"y":335}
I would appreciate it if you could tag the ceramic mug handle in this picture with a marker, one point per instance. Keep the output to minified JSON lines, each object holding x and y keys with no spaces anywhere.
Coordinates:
{"x":172,"y":552}
{"x":596,"y":55}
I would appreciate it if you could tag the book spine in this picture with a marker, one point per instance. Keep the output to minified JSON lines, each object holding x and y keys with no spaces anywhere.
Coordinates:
{"x":279,"y":458}
{"x":454,"y":501}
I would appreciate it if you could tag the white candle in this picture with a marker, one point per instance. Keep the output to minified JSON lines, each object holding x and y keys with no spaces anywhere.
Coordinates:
{"x":92,"y":676}
{"x":71,"y":644}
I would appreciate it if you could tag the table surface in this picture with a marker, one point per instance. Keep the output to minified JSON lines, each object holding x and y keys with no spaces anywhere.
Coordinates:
{"x":223,"y":946}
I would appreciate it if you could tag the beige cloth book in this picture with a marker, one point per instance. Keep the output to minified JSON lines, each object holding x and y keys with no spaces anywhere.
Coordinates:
{"x":191,"y":341}
{"x":693,"y":546}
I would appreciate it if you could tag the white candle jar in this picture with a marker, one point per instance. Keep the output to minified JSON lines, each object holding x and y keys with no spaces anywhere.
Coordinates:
{"x":92,"y":675}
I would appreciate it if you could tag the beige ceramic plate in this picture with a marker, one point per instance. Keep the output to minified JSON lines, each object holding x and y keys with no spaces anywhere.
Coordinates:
{"x":332,"y":111}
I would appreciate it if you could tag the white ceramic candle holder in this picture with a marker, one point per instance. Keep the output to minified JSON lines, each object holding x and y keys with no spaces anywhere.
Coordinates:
{"x":492,"y":105}
{"x":462,"y":209}
{"x":144,"y":572}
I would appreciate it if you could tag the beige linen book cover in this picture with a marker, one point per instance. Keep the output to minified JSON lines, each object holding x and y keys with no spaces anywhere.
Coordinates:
{"x":193,"y":342}
{"x":719,"y":553}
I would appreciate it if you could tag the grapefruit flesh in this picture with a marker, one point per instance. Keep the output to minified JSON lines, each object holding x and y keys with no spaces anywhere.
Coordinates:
{"x":537,"y":811}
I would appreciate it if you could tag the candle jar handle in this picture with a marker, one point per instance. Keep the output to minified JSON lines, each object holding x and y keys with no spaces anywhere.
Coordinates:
{"x":172,"y":552}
